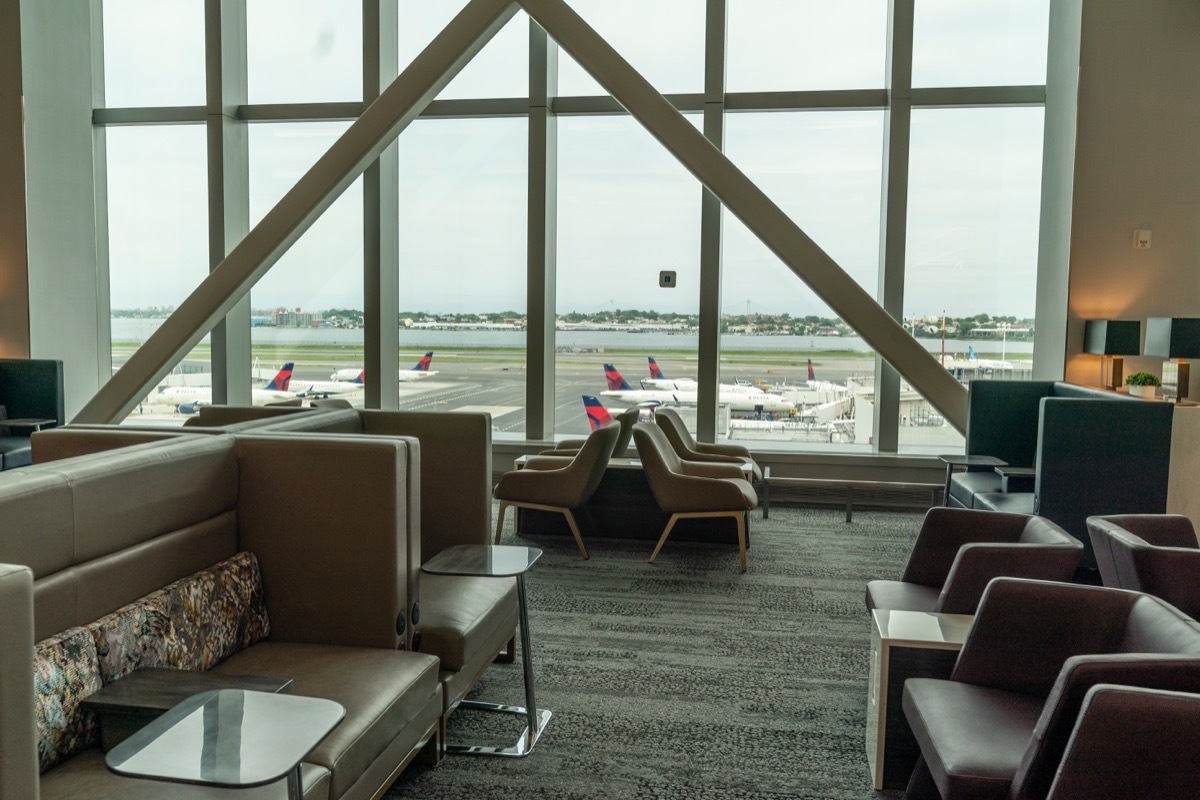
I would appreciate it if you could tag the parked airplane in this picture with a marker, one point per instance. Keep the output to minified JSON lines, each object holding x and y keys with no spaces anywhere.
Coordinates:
{"x":417,"y":372}
{"x":620,"y":391}
{"x":321,"y":389}
{"x":597,"y":414}
{"x":661,"y":382}
{"x":985,"y":363}
{"x":188,"y":398}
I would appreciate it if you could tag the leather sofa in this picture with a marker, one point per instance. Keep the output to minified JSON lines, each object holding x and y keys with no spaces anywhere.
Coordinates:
{"x":30,"y":388}
{"x":465,"y":621}
{"x":88,"y":535}
{"x":998,"y":728}
{"x":1065,"y":432}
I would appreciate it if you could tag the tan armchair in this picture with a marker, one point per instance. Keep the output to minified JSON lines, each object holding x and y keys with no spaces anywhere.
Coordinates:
{"x":688,"y":449}
{"x":688,"y":489}
{"x":562,"y":488}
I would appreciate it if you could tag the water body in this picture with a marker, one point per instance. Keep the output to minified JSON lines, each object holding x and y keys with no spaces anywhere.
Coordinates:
{"x":138,"y":330}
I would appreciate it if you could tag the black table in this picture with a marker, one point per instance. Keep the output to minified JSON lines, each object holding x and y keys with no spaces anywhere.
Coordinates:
{"x":232,"y":738}
{"x":498,"y":561}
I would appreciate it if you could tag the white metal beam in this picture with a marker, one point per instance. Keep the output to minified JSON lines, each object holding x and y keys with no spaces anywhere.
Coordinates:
{"x":381,"y":122}
{"x":742,"y":197}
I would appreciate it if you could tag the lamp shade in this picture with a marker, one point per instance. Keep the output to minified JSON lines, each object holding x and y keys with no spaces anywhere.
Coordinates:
{"x":1112,"y":337}
{"x":1173,"y":337}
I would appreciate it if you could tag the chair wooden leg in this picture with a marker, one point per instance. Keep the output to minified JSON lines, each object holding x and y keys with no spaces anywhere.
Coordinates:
{"x":663,"y":539}
{"x":741,"y":530}
{"x":500,"y":520}
{"x":575,"y":530}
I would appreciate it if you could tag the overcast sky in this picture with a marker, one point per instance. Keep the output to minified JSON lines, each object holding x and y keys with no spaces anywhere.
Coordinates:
{"x":626,"y":208}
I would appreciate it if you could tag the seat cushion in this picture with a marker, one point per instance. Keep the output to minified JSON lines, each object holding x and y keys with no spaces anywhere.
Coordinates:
{"x":466,"y":620}
{"x":972,"y":738}
{"x":901,"y":596}
{"x":382,"y":690}
{"x":15,"y":452}
{"x":1012,"y":502}
{"x":965,"y":485}
{"x":86,"y":776}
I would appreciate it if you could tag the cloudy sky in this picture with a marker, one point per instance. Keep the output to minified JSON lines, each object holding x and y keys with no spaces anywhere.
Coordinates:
{"x":626,"y":209}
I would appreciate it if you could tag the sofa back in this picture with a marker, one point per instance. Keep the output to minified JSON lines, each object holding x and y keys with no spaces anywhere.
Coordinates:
{"x":1002,"y":419}
{"x":32,"y":388}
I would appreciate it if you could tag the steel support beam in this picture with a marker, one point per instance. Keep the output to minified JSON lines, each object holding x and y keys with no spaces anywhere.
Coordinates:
{"x":743,"y":198}
{"x":345,"y":160}
{"x":542,"y":236}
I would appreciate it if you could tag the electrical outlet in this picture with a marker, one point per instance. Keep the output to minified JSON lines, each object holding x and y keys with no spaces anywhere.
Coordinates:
{"x":1141,"y":239}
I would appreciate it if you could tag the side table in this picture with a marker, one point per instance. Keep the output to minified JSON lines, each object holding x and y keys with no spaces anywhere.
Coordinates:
{"x":499,"y":561}
{"x":952,"y":460}
{"x":904,"y":644}
{"x":233,"y":738}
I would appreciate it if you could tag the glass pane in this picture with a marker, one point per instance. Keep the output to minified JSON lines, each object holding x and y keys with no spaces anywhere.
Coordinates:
{"x":981,"y":43}
{"x":626,"y":211}
{"x":973,"y":211}
{"x":500,"y":70}
{"x":824,"y":170}
{"x":308,"y":308}
{"x":463,"y":185}
{"x":806,"y":45}
{"x":157,"y":239}
{"x":662,"y":39}
{"x":153,"y":53}
{"x":303,"y":51}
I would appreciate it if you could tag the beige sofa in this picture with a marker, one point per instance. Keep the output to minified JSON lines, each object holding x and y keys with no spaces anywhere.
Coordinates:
{"x":464,"y":621}
{"x":83,"y":537}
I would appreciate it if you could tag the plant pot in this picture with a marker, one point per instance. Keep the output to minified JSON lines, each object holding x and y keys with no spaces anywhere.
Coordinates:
{"x":1144,"y":391}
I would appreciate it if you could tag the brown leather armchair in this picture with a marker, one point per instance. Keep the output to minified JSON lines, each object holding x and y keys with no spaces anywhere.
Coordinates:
{"x":958,"y":550}
{"x":1153,"y":553}
{"x":1131,"y":743}
{"x":689,"y":489}
{"x":688,"y":449}
{"x":559,"y":488}
{"x":998,"y":728}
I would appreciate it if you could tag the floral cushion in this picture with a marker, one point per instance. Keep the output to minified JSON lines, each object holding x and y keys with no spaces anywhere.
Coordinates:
{"x":65,"y":671}
{"x":193,"y":623}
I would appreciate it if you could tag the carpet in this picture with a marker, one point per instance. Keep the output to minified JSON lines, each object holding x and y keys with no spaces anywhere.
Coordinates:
{"x":685,"y":678}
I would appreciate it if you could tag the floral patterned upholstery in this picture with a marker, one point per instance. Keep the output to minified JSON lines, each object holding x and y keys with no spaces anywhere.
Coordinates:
{"x":193,"y":623}
{"x":65,"y":671}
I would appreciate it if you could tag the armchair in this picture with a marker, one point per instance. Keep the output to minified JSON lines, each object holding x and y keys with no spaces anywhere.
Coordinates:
{"x":688,"y":449}
{"x":1153,"y":553}
{"x":1132,"y":743}
{"x":959,"y":550}
{"x":564,"y":486}
{"x":569,"y":447}
{"x":686,"y":489}
{"x":999,"y":726}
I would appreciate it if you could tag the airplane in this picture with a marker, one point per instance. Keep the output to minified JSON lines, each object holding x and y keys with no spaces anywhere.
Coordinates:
{"x":597,"y":414}
{"x":322,"y":389}
{"x":658,"y":380}
{"x":188,"y":398}
{"x":417,"y":372}
{"x":985,"y":363}
{"x":620,"y":391}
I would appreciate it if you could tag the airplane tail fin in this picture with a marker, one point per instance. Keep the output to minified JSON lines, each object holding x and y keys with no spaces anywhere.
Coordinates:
{"x":282,"y":380}
{"x":615,"y":381}
{"x":597,"y":414}
{"x":812,"y":375}
{"x":655,"y":372}
{"x":423,"y":364}
{"x":360,"y":378}
{"x":971,"y":353}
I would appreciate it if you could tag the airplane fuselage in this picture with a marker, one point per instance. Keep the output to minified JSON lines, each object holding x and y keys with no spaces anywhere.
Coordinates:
{"x":736,"y":400}
{"x":202,"y":395}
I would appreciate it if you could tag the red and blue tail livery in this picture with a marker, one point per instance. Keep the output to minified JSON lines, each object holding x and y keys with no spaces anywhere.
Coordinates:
{"x":655,"y":372}
{"x":597,"y":414}
{"x":282,"y":380}
{"x":615,"y":382}
{"x":812,"y":375}
{"x":423,"y":364}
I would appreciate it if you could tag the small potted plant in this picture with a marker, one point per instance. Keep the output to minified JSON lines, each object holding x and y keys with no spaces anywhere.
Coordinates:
{"x":1143,"y":384}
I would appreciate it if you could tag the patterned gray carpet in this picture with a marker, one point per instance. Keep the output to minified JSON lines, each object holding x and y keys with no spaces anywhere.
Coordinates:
{"x":686,"y":678}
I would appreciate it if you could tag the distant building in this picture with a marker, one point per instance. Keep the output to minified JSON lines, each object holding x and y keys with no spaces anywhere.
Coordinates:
{"x":289,"y":318}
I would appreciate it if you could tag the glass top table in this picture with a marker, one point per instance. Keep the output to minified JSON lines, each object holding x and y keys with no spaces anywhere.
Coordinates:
{"x":498,"y":561}
{"x":234,"y":738}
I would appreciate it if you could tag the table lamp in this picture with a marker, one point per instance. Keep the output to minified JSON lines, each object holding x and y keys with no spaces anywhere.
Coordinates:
{"x":1111,"y":339}
{"x":1174,"y":337}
